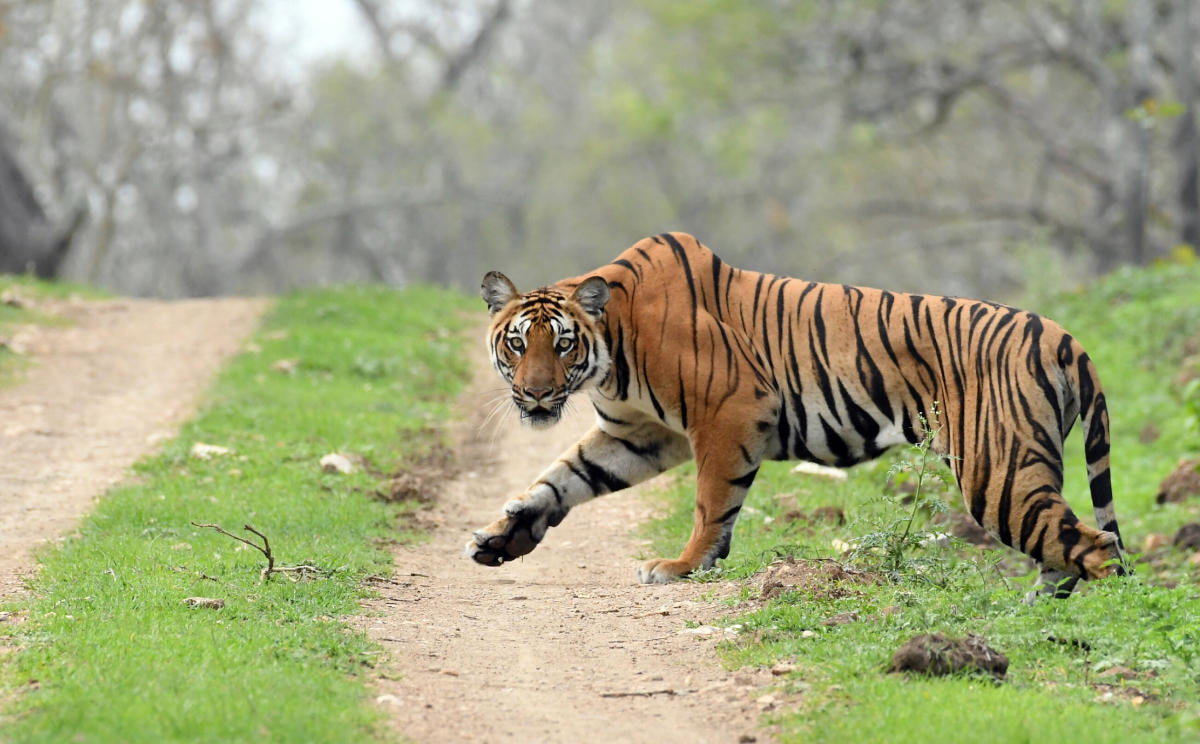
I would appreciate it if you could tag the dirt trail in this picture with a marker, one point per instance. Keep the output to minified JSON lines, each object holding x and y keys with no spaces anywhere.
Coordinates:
{"x":108,"y":385}
{"x":563,"y":645}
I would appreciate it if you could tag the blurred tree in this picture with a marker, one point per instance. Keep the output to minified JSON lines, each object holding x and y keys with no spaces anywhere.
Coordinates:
{"x":915,"y":143}
{"x":151,"y":114}
{"x":28,"y":240}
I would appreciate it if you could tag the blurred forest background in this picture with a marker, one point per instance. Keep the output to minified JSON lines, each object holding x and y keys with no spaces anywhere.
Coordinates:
{"x":981,"y":147}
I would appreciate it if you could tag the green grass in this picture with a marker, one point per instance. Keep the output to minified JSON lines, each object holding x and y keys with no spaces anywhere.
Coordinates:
{"x":1140,"y":327}
{"x":116,"y":655}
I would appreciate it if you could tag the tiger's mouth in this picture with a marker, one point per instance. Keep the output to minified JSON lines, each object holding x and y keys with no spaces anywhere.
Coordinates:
{"x":542,"y":414}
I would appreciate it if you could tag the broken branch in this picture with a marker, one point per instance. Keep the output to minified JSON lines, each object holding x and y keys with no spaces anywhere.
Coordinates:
{"x":265,"y":549}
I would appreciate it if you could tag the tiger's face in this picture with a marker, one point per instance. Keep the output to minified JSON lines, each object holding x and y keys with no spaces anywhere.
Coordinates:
{"x":546,"y":344}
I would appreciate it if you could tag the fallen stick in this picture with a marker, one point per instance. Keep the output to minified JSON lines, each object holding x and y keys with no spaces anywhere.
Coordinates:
{"x":645,"y":693}
{"x":265,"y":549}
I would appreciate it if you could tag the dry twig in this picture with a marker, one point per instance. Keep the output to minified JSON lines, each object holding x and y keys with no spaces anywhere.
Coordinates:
{"x":265,"y":549}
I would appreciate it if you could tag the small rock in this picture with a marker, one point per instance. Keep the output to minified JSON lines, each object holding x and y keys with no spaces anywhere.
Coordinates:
{"x":1188,"y":537}
{"x":699,"y":630}
{"x":389,"y":699}
{"x":747,"y":739}
{"x":766,"y":702}
{"x":808,"y":634}
{"x":1153,"y":541}
{"x":821,"y":471}
{"x":783,"y":668}
{"x":286,"y":366}
{"x":208,"y":603}
{"x":202,"y":451}
{"x":336,"y":462}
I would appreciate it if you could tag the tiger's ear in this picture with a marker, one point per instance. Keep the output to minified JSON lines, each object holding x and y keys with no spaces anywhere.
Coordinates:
{"x":591,"y":295}
{"x":497,"y":291}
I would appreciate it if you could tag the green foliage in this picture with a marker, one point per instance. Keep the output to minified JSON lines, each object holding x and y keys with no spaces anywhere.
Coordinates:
{"x":1137,"y":326}
{"x":115,"y":653}
{"x":890,"y":548}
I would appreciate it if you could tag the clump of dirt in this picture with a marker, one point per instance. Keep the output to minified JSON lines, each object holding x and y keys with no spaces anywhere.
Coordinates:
{"x":420,"y":478}
{"x":823,"y":579}
{"x":1188,"y":537}
{"x":1114,"y":683}
{"x":1183,"y":483}
{"x":964,"y":527}
{"x":842,"y":618}
{"x":830,"y":514}
{"x":937,"y":654}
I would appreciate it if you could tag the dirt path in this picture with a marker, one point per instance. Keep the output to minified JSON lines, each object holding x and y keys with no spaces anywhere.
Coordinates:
{"x":104,"y":389}
{"x":561,"y":646}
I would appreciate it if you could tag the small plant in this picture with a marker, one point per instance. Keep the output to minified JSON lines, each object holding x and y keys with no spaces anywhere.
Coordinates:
{"x":893,"y":545}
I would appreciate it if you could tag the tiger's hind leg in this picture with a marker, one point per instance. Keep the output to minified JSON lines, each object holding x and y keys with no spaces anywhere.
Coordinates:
{"x":1052,"y":583}
{"x":1014,"y":491}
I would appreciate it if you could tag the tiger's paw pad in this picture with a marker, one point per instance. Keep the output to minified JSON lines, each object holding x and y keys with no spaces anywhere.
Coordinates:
{"x":662,"y":571}
{"x":509,"y":537}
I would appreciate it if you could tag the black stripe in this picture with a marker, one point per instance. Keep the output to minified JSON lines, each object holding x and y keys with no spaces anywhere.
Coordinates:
{"x":598,"y":475}
{"x":744,"y":481}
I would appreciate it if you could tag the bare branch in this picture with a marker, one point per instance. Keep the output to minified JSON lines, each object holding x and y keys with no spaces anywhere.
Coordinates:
{"x":473,"y":51}
{"x":265,"y":549}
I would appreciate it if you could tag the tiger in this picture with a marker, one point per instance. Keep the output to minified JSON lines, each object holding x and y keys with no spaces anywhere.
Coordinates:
{"x":686,"y":357}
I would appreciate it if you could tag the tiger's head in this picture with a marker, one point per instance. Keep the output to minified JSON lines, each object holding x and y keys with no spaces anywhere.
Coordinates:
{"x":546,"y":344}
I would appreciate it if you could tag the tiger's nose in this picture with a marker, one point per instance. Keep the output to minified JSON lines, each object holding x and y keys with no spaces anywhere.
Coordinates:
{"x":537,"y":393}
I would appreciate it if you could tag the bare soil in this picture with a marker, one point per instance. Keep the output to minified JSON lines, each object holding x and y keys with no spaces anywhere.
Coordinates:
{"x":105,"y":386}
{"x":564,"y":645}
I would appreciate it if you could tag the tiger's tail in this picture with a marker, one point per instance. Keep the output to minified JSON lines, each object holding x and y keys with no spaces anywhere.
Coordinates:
{"x":1093,"y":413}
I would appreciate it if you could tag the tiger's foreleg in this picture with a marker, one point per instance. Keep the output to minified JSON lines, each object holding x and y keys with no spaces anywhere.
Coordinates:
{"x":601,"y":462}
{"x":726,"y":466}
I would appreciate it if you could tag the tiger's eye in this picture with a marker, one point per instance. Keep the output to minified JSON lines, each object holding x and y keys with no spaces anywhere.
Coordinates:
{"x":516,"y":344}
{"x":564,"y":345}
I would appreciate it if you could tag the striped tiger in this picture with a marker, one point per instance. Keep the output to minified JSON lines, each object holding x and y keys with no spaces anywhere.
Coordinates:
{"x":684,"y":356}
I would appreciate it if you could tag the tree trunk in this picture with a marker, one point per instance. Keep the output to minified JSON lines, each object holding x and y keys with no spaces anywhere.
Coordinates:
{"x":1137,"y":153}
{"x":1187,"y":144}
{"x":28,"y":242}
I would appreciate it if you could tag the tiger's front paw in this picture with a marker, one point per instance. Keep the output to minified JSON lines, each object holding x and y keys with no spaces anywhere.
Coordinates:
{"x":512,"y":536}
{"x":661,"y":571}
